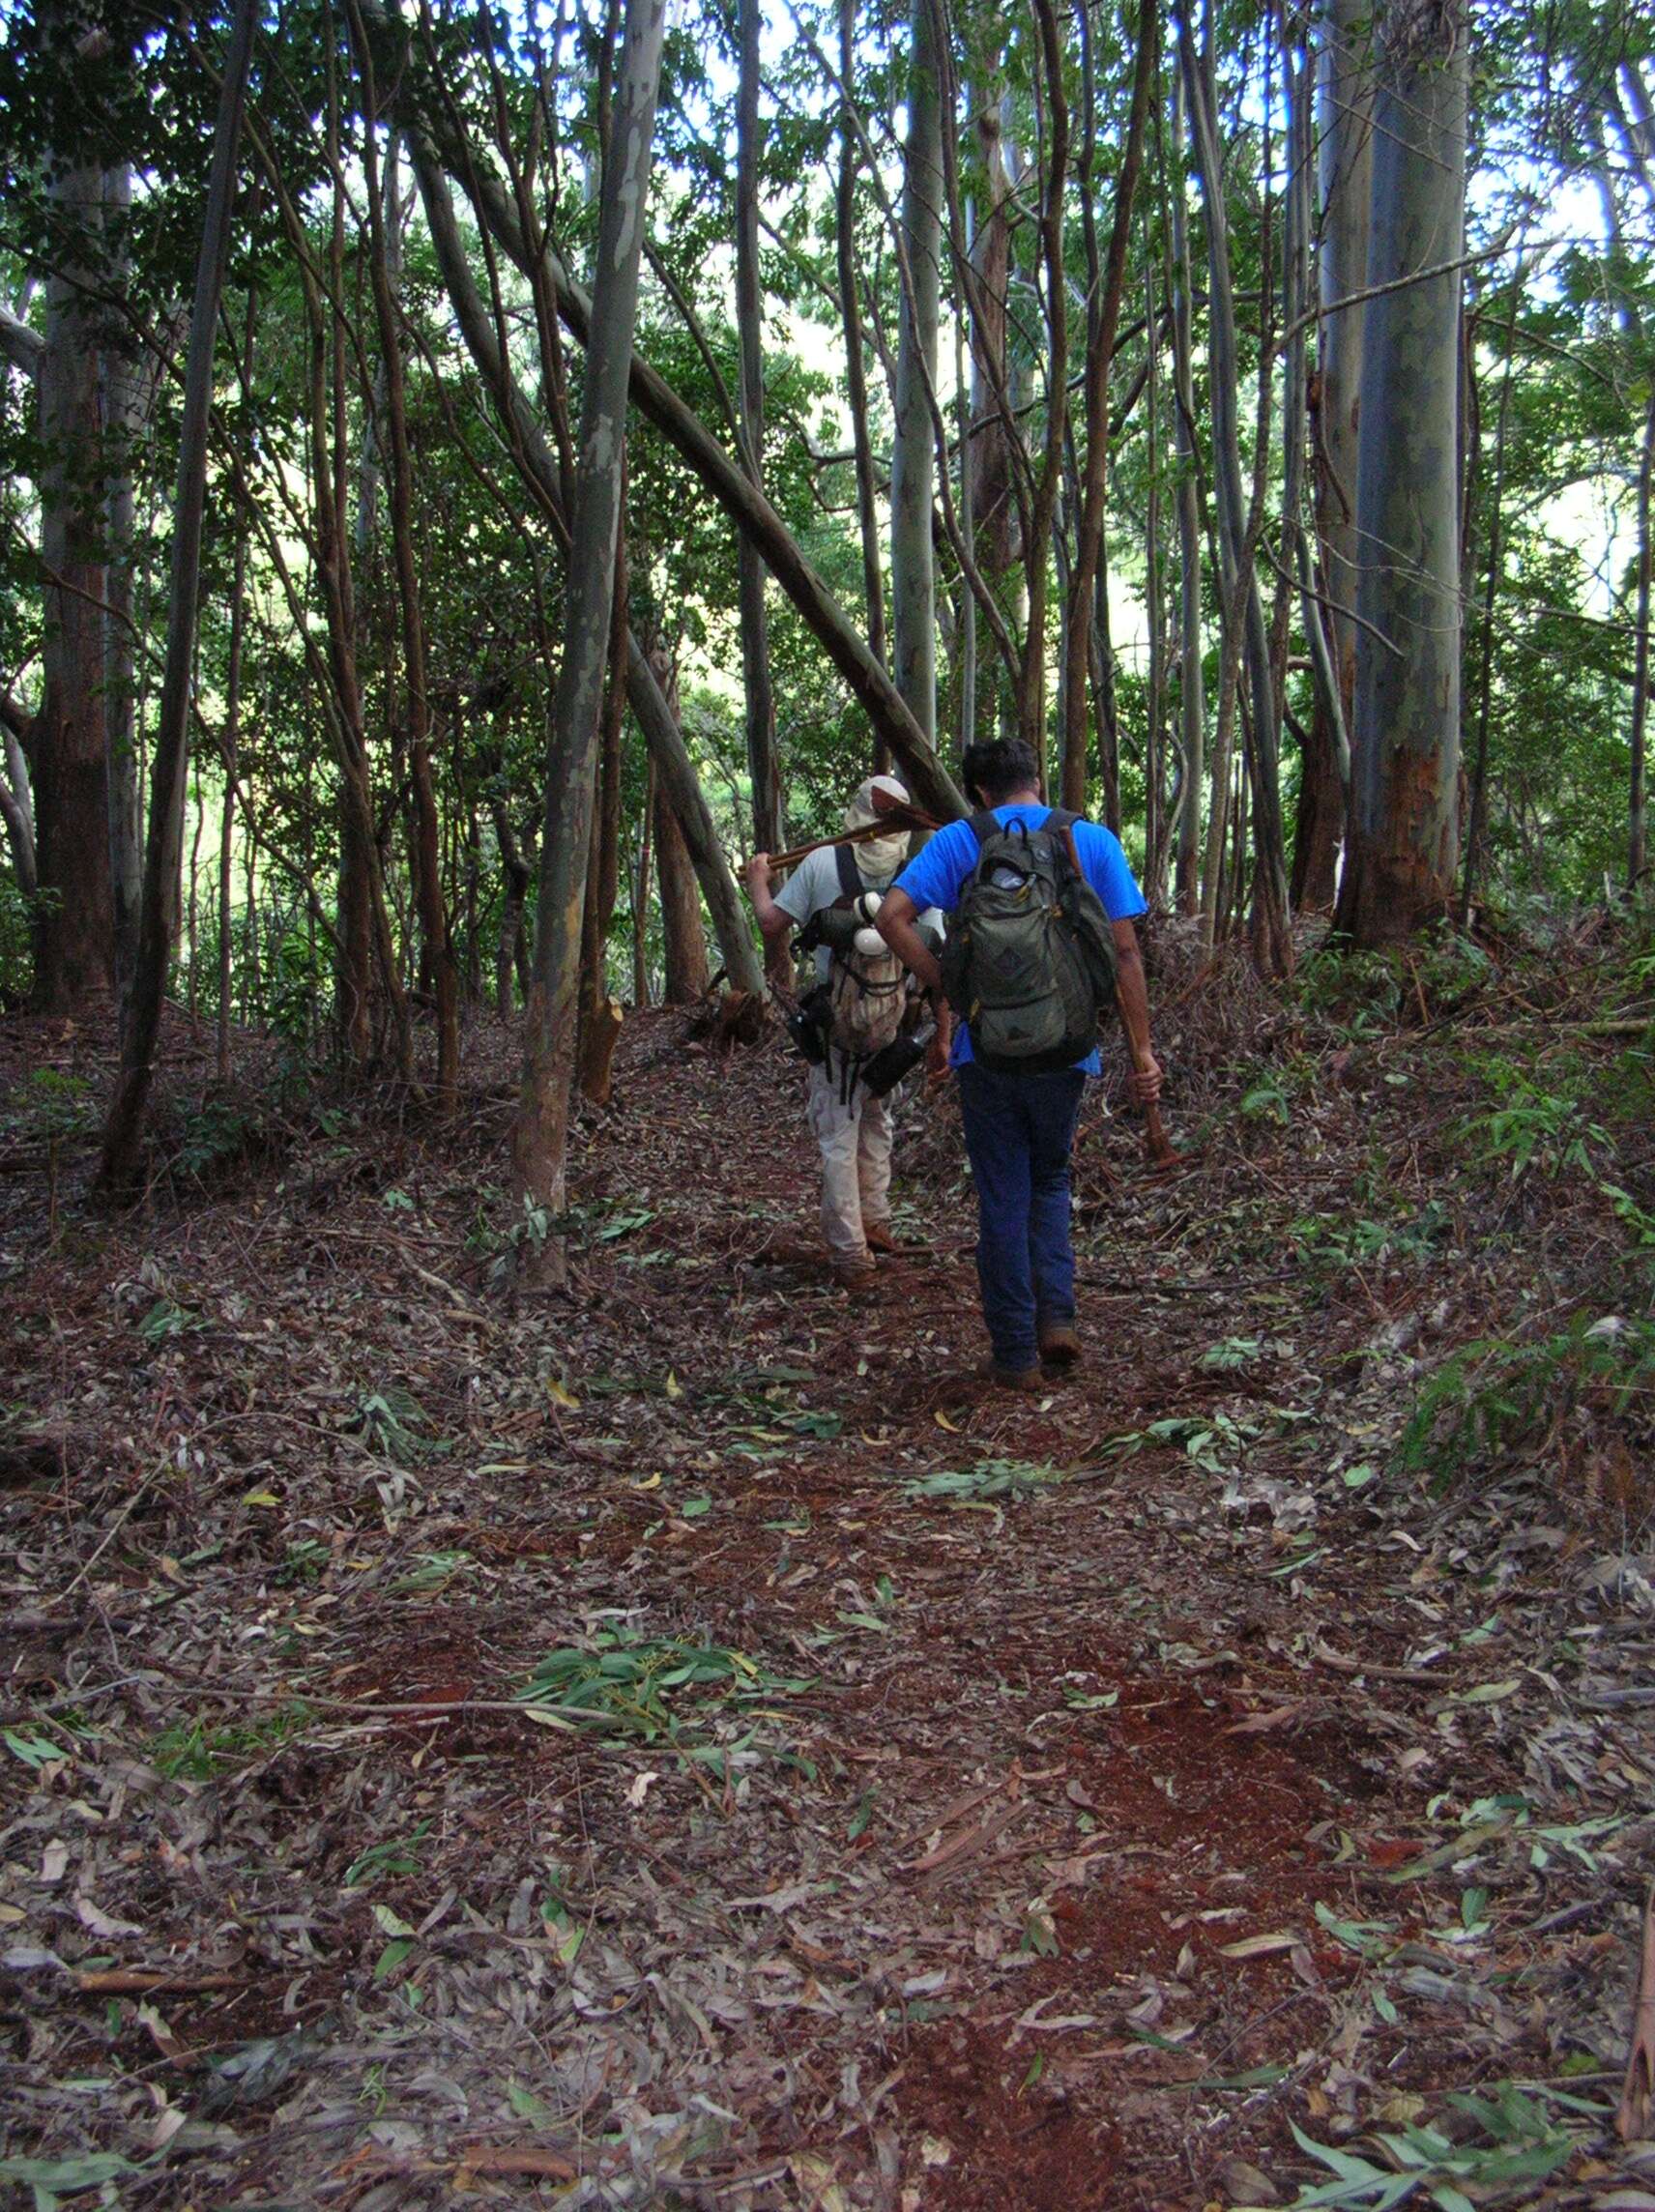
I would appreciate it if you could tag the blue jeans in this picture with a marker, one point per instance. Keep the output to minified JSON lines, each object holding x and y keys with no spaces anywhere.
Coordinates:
{"x":1018,"y":1132}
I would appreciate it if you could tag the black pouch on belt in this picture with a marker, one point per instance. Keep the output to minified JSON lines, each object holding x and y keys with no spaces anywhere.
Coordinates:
{"x":807,"y":1024}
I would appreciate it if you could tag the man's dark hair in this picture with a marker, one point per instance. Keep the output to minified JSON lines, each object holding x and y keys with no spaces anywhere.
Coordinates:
{"x":999,"y":767}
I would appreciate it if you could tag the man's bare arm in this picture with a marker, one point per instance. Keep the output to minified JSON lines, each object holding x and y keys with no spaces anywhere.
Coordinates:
{"x":1132,"y":997}
{"x":772,"y":921}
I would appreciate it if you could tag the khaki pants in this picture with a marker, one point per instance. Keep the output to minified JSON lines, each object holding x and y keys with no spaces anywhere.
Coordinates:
{"x":855,"y":1142}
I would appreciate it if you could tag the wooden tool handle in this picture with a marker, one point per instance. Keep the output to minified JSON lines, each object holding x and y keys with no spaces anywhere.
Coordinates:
{"x":897,"y":818}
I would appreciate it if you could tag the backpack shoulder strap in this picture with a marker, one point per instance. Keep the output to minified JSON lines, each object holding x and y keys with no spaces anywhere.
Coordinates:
{"x":1062,"y":824}
{"x":983,"y":826}
{"x":850,"y":875}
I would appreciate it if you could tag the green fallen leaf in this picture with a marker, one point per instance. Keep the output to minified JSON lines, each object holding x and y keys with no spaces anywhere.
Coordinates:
{"x":392,"y":1956}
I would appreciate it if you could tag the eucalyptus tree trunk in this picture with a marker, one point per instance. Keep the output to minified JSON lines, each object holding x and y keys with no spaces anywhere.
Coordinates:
{"x":230,"y":746}
{"x":122,"y":1132}
{"x":599,"y":1009}
{"x":74,"y":928}
{"x":1106,"y":289}
{"x":1155,"y":840}
{"x":17,"y":801}
{"x":638,"y":874}
{"x":1320,"y":812}
{"x":540,"y":1136}
{"x":1477,"y":812}
{"x":124,"y":411}
{"x":1346,"y":135}
{"x":685,"y":971}
{"x":517,"y":874}
{"x":1032,"y":683}
{"x":427,"y":886}
{"x":1192,"y":689}
{"x":763,"y":770}
{"x":1636,"y":842}
{"x":1404,"y":842}
{"x":856,"y":376}
{"x":992,"y":458}
{"x":1245,"y":634}
{"x":914,"y":453}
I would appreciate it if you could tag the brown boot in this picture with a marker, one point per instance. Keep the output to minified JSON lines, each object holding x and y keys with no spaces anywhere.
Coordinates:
{"x":854,"y":1279}
{"x":1028,"y":1380}
{"x":880,"y":1238}
{"x":1059,"y":1345}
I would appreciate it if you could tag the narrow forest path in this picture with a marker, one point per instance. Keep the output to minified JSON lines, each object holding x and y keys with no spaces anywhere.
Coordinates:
{"x":926,"y":1799}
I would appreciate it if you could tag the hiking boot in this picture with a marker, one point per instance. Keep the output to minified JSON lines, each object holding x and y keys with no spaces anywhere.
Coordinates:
{"x":1059,"y":1345}
{"x":855,"y":1279}
{"x":1028,"y":1380}
{"x":879,"y":1237}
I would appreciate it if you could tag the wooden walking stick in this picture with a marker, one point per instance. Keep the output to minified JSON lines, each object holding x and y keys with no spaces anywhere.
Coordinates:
{"x":1157,"y":1145}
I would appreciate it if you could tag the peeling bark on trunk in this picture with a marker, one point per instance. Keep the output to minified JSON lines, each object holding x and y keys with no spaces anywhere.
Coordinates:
{"x":1404,"y":846}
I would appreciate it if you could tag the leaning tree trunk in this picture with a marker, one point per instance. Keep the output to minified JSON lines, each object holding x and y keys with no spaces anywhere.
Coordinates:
{"x":1406,"y":727}
{"x":914,"y":453}
{"x":437,"y":143}
{"x":74,"y":928}
{"x":540,"y":474}
{"x":124,"y":1128}
{"x":541,"y":1137}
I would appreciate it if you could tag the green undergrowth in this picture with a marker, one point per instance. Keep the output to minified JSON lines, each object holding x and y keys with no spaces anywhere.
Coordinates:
{"x":656,"y":1690}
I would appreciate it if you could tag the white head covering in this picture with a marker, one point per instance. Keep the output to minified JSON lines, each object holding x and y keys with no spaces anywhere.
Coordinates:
{"x":878,"y":857}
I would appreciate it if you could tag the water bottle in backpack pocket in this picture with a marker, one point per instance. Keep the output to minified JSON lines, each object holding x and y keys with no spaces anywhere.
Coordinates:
{"x":1029,"y":961}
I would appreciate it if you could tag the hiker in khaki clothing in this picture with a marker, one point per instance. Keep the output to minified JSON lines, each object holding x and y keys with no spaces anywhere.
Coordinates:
{"x":853,"y":1130}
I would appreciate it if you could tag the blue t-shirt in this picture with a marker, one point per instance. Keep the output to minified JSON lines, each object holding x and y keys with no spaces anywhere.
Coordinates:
{"x":937,"y":876}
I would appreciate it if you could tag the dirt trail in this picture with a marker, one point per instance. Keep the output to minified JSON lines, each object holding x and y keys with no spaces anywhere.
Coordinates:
{"x":925,"y":1800}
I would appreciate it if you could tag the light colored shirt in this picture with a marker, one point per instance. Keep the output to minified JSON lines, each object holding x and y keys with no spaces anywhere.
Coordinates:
{"x":815,"y":885}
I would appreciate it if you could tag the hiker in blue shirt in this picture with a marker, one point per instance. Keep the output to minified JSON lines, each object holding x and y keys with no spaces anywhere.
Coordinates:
{"x":1019,"y":1126}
